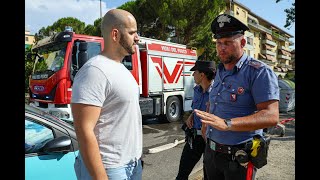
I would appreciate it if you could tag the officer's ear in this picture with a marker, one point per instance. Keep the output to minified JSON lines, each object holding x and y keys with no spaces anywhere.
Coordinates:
{"x":202,"y":74}
{"x":243,"y":42}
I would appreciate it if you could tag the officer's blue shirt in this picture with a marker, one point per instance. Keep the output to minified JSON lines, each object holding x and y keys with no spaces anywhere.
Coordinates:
{"x":235,"y":93}
{"x":199,"y":101}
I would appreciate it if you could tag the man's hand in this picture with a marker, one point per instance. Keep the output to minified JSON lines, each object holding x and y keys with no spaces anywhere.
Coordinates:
{"x":189,"y":121}
{"x":212,"y":120}
{"x":203,"y":131}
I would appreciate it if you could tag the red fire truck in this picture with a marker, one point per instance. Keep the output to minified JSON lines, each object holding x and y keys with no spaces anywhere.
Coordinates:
{"x":161,"y":69}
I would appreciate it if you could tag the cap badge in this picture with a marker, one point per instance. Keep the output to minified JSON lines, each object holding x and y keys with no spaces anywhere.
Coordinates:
{"x":222,"y":19}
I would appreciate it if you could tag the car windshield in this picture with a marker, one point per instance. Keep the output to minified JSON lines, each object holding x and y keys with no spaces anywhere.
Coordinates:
{"x":41,"y":113}
{"x":50,"y":58}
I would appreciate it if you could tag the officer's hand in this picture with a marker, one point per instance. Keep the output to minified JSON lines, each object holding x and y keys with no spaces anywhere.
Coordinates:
{"x":189,"y":121}
{"x":203,"y":131}
{"x":212,"y":120}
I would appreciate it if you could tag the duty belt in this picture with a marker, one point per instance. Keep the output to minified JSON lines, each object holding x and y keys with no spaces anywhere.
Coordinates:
{"x":228,"y":149}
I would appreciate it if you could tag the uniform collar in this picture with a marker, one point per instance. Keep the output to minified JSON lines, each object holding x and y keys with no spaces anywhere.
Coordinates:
{"x":238,"y":64}
{"x":199,"y":88}
{"x":241,"y":61}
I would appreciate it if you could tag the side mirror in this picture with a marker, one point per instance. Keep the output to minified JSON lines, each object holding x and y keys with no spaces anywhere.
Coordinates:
{"x":82,"y":55}
{"x":58,"y":145}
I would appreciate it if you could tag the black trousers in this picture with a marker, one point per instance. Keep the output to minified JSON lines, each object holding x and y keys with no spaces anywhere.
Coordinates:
{"x":190,"y":157}
{"x":222,"y":166}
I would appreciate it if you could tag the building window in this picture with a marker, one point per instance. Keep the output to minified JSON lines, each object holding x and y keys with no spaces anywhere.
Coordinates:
{"x":249,"y":41}
{"x":27,"y":38}
{"x":244,"y":13}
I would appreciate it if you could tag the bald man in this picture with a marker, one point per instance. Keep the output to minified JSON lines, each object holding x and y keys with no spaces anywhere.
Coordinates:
{"x":105,"y":106}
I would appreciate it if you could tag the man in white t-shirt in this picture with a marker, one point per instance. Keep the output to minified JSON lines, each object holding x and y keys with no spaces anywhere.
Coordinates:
{"x":105,"y":106}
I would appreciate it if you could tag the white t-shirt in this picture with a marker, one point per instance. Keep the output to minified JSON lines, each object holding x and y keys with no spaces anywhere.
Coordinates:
{"x":110,"y":85}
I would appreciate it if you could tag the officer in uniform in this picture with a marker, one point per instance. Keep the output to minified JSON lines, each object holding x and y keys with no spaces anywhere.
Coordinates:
{"x":204,"y":73}
{"x":244,"y":99}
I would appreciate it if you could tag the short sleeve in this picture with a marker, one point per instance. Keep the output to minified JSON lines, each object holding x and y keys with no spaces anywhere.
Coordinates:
{"x":90,"y":86}
{"x":265,"y":85}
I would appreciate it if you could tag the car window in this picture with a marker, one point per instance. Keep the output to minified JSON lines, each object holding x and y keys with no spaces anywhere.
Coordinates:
{"x":36,"y":136}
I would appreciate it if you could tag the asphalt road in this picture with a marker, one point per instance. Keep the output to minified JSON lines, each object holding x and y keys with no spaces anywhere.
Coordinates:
{"x":164,"y":165}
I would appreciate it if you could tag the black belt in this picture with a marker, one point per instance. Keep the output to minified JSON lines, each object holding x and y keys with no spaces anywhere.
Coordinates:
{"x":228,"y":149}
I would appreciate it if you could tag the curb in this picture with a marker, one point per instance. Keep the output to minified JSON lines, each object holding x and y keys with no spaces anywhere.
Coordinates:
{"x":197,"y":173}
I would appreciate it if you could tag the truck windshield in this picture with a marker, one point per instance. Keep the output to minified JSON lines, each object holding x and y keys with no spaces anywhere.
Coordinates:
{"x":50,"y":58}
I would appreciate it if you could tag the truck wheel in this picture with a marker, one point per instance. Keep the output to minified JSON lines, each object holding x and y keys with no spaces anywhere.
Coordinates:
{"x":173,"y":109}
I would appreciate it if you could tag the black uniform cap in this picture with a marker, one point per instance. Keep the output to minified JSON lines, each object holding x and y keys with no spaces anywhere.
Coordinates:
{"x":204,"y":66}
{"x":225,"y":25}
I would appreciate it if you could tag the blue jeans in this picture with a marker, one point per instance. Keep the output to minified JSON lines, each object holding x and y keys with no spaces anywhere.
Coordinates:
{"x":130,"y":171}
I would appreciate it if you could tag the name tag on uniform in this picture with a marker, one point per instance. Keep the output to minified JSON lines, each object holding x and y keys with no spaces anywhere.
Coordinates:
{"x":212,"y":145}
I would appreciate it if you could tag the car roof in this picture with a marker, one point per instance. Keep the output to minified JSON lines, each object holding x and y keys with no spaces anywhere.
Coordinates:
{"x":42,"y":114}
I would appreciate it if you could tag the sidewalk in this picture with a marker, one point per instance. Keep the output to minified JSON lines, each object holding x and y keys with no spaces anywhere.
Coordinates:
{"x":196,"y":174}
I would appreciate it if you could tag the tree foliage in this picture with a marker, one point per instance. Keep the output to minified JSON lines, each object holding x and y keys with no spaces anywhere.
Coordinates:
{"x":28,"y":68}
{"x":180,"y":21}
{"x":291,"y":12}
{"x":58,"y":26}
{"x":95,"y":29}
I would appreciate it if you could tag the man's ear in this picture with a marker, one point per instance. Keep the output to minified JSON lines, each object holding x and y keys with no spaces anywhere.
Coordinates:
{"x":115,"y":34}
{"x":243,"y":42}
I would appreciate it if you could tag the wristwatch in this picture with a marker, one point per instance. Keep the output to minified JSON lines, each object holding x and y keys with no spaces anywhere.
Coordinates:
{"x":228,"y":123}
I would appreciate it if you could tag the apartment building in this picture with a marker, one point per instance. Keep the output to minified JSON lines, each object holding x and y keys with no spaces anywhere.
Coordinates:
{"x":265,"y":41}
{"x":29,"y":38}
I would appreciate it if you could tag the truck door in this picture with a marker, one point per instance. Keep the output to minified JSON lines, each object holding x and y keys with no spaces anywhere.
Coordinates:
{"x":188,"y":83}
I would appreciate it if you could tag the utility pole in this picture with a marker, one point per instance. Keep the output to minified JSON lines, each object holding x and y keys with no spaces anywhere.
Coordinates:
{"x":100,"y":10}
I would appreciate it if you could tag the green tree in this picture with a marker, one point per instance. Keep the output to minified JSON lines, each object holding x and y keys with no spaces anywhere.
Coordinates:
{"x":95,"y":29}
{"x":180,"y":21}
{"x":28,"y":68}
{"x":291,"y":15}
{"x":58,"y":26}
{"x":147,"y":16}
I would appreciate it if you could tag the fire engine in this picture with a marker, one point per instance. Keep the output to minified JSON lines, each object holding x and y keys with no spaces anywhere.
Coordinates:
{"x":161,"y":69}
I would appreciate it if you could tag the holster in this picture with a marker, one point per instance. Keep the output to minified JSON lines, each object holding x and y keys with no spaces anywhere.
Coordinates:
{"x":189,"y":134}
{"x":259,"y":150}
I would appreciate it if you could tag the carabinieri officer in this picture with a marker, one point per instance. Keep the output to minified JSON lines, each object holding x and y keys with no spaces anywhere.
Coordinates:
{"x":244,"y":99}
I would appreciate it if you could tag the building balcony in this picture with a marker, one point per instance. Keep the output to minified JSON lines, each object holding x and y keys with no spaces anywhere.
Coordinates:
{"x":284,"y":57}
{"x":259,"y":27}
{"x":266,"y":41}
{"x":269,"y":52}
{"x":291,"y":43}
{"x":279,"y":37}
{"x":284,"y":48}
{"x":268,"y":62}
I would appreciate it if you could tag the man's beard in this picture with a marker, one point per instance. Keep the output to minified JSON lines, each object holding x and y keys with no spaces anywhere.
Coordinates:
{"x":229,"y":60}
{"x":126,"y":45}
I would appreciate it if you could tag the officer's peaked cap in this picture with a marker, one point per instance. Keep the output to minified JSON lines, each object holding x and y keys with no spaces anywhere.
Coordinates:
{"x":204,"y":66}
{"x":225,"y":25}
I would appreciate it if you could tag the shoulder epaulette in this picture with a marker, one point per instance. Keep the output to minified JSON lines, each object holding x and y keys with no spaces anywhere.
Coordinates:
{"x":255,"y":63}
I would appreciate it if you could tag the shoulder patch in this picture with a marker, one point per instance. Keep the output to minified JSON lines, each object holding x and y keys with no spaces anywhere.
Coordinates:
{"x":256,"y":64}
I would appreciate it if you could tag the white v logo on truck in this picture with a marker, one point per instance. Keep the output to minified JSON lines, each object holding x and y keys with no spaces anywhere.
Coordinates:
{"x":168,"y":78}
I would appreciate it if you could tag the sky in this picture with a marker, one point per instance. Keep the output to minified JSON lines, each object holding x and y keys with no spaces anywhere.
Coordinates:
{"x":42,"y":13}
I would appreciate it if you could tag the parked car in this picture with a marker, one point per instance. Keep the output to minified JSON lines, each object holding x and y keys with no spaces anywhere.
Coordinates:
{"x":50,"y":146}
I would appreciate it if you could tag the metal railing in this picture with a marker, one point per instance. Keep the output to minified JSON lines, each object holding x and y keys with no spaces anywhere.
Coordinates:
{"x":258,"y":26}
